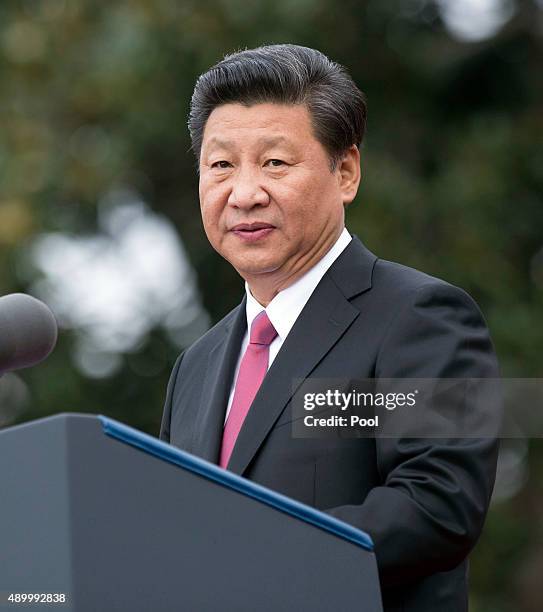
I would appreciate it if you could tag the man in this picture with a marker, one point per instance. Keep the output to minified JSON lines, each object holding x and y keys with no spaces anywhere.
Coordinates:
{"x":276,"y":131}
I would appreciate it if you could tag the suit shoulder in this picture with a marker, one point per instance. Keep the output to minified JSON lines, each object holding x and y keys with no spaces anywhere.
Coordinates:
{"x":214,"y":334}
{"x":402,"y":281}
{"x":405,"y":291}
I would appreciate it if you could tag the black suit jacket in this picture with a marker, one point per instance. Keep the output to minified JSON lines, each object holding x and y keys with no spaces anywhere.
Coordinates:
{"x":422,"y":501}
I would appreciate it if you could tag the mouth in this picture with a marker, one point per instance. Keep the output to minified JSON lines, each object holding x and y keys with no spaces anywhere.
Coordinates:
{"x":251,"y":232}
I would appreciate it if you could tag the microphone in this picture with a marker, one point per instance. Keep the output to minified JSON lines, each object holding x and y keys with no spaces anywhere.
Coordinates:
{"x":28,"y":332}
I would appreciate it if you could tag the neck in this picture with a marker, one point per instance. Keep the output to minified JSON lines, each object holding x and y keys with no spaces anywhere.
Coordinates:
{"x":264,"y":287}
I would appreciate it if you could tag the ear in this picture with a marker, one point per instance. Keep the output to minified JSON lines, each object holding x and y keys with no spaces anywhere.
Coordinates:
{"x":349,"y":174}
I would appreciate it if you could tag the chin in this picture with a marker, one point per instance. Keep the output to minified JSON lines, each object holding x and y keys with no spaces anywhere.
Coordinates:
{"x":254,"y":268}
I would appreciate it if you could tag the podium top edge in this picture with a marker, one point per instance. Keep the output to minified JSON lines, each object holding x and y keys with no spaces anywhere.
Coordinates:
{"x":213,"y":472}
{"x":62,"y":416}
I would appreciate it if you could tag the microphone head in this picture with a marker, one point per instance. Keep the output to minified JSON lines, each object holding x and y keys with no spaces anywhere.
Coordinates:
{"x":28,"y":332}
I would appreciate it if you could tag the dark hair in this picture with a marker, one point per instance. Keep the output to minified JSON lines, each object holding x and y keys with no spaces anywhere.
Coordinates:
{"x":284,"y":74}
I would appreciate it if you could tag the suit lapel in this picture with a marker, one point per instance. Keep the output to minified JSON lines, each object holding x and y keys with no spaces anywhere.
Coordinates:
{"x":221,"y":364}
{"x":325,"y":318}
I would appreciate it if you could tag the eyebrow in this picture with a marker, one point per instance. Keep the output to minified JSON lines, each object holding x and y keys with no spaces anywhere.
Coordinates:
{"x":224,"y":144}
{"x":268,"y":141}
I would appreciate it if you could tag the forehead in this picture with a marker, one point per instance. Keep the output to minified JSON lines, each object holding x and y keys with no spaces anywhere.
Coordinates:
{"x":259,"y":124}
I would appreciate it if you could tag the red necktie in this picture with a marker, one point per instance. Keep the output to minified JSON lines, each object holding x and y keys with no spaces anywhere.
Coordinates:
{"x":252,"y":370}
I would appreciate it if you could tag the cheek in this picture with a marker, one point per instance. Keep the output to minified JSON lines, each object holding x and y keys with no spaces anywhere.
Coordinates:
{"x":294,"y":199}
{"x":210,"y":220}
{"x":301,"y":202}
{"x":322,"y":197}
{"x":305,"y":188}
{"x":211,"y":206}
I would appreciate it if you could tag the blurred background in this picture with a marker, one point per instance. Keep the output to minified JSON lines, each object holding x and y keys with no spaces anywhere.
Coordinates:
{"x":99,"y":213}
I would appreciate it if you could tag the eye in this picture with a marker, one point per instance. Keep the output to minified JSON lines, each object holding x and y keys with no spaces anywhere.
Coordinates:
{"x":275,"y":163}
{"x":221,"y":164}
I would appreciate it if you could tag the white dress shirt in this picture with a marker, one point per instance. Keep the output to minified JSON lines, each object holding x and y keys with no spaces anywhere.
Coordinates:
{"x":287,"y":305}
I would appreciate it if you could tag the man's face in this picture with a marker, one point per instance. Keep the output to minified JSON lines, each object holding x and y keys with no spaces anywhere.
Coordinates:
{"x":270,"y":204}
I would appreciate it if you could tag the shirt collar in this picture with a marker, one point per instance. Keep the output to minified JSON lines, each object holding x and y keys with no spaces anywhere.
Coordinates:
{"x":287,"y":305}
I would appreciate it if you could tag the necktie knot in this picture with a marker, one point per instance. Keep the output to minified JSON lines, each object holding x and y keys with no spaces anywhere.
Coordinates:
{"x":262,"y":330}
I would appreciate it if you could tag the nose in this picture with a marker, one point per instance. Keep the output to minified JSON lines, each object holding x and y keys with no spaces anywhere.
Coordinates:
{"x":247,"y":190}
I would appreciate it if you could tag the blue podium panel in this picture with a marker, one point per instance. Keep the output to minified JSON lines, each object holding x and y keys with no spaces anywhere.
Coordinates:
{"x":116,"y":520}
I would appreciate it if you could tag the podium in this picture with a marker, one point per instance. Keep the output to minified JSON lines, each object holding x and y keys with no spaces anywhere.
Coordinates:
{"x":111,"y":519}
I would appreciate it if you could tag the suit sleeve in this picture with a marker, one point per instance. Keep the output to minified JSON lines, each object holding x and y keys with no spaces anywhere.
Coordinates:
{"x":429,"y":511}
{"x":167,"y":413}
